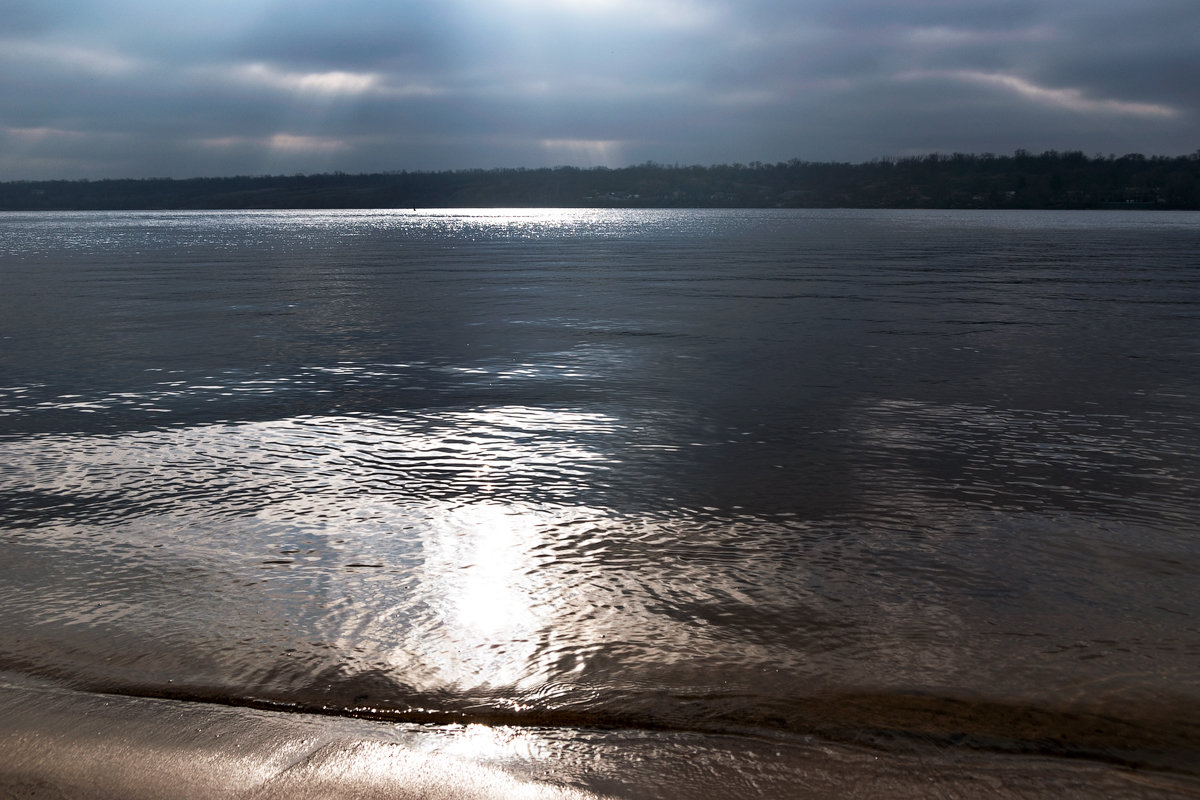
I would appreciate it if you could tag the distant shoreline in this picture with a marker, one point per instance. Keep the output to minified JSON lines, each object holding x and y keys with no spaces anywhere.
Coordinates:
{"x":1051,"y":180}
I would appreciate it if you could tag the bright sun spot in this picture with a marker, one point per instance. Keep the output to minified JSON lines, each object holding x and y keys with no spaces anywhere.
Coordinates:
{"x":490,"y":602}
{"x":478,"y":574}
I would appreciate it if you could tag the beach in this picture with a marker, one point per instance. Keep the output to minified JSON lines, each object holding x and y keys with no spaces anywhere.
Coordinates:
{"x":59,"y":743}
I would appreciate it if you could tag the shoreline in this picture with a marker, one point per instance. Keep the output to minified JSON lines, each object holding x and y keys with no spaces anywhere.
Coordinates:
{"x":61,"y":743}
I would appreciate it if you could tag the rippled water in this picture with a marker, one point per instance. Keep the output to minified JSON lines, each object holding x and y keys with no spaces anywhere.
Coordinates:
{"x":888,"y":477}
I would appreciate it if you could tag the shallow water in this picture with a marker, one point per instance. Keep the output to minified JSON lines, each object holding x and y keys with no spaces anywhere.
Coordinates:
{"x":902,"y":479}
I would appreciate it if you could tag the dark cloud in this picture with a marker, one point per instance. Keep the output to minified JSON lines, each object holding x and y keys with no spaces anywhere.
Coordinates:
{"x":24,"y":17}
{"x":1144,"y":54}
{"x":348,"y":35}
{"x":133,"y":87}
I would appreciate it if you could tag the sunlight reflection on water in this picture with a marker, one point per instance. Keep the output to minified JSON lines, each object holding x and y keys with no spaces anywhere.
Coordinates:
{"x":479,"y":575}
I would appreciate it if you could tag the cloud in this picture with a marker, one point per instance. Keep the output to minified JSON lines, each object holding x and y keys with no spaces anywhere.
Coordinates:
{"x":654,"y":14}
{"x":63,"y":56}
{"x":1067,"y":99}
{"x":586,"y":152}
{"x":279,"y":142}
{"x":35,"y":135}
{"x":361,"y":86}
{"x":332,"y":83}
{"x":933,"y":36}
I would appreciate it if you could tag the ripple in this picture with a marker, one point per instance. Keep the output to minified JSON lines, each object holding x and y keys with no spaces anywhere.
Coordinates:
{"x":722,"y":472}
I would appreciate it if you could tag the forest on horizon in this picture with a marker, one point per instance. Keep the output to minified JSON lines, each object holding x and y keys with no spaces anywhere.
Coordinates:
{"x":1023,"y":180}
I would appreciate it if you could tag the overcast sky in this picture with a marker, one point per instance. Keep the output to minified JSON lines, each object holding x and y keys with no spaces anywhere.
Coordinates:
{"x":137,"y":88}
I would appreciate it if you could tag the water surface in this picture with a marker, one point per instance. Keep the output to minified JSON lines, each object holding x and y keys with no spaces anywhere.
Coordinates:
{"x":902,"y":479}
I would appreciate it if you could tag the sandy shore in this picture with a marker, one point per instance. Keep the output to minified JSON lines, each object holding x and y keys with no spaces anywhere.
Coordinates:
{"x":56,"y":743}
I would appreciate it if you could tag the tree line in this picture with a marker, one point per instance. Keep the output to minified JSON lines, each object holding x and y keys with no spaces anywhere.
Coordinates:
{"x":1049,"y":180}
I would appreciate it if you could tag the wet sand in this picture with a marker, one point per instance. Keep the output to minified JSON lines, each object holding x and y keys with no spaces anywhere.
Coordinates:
{"x":58,"y":743}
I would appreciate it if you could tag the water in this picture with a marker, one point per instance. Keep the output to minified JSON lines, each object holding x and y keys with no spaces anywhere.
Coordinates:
{"x":896,"y":479}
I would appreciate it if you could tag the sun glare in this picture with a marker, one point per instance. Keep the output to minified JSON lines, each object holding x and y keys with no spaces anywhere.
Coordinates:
{"x":479,"y":577}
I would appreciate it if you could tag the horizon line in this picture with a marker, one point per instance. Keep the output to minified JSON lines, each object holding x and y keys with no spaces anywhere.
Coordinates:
{"x":648,"y":164}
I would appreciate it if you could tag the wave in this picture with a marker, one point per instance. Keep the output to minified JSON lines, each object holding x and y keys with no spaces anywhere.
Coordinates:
{"x":1163,"y":736}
